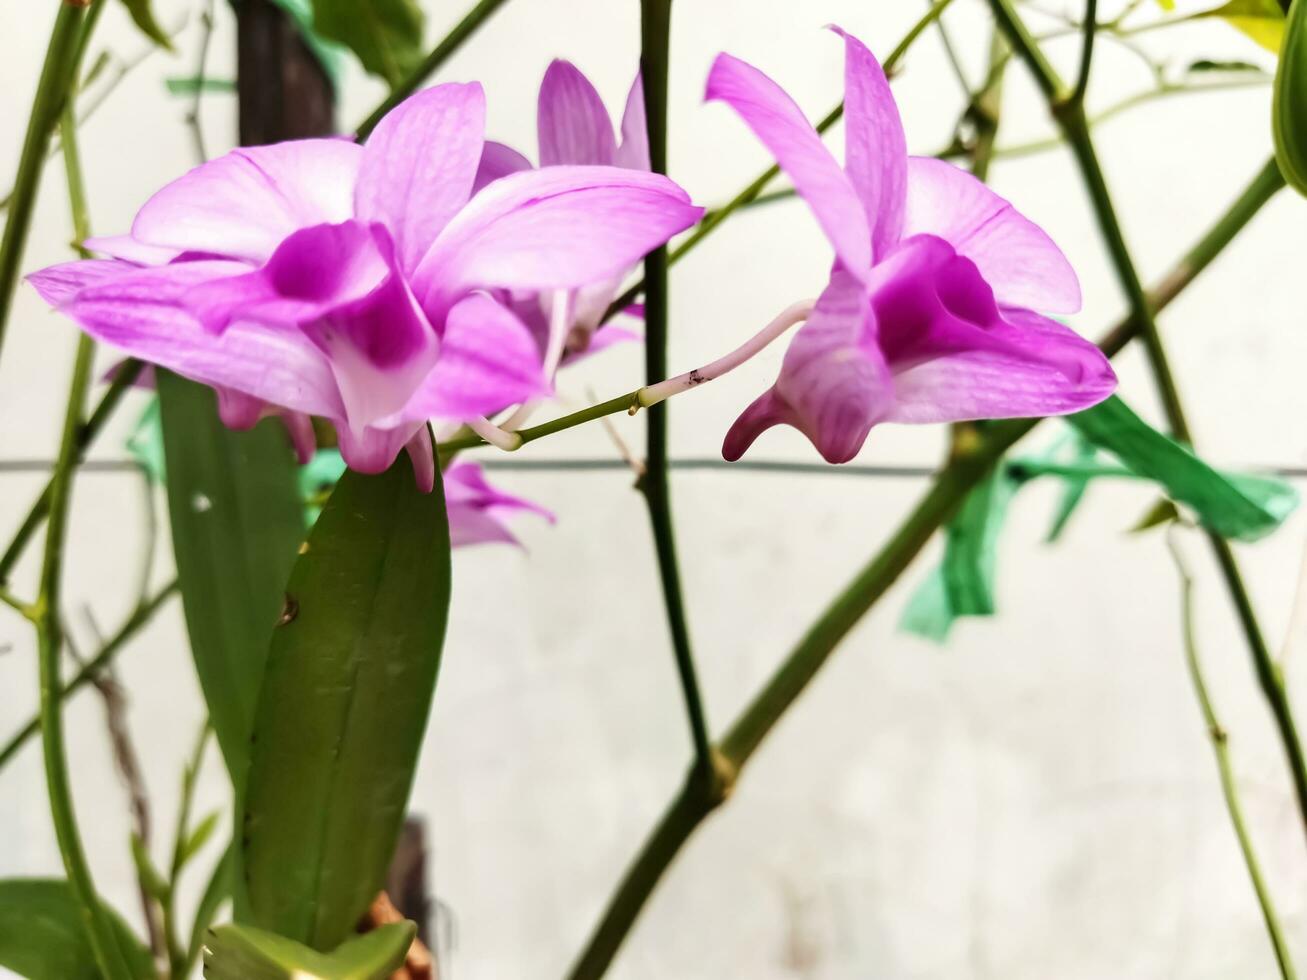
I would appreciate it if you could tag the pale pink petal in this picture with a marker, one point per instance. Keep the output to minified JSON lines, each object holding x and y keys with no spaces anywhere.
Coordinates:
{"x":572,"y":124}
{"x":371,"y":449}
{"x":142,"y":314}
{"x":423,"y":458}
{"x":555,"y":228}
{"x":634,"y":150}
{"x":419,"y":164}
{"x":498,"y":160}
{"x":1045,"y":369}
{"x":60,"y":283}
{"x":875,"y":150}
{"x":239,"y":410}
{"x":488,"y":361}
{"x":243,"y":204}
{"x":300,"y":428}
{"x":1017,"y":258}
{"x":833,"y":386}
{"x":128,"y":249}
{"x":786,"y":132}
{"x":478,"y":512}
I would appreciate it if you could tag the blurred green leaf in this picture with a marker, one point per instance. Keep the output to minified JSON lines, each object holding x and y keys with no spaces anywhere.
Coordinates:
{"x":217,"y":891}
{"x":1261,"y":20}
{"x":199,"y":837}
{"x":193,"y":84}
{"x":237,"y":523}
{"x":1289,"y":104}
{"x":1234,"y":506}
{"x":1207,"y":66}
{"x":1162,"y":512}
{"x":344,"y":705}
{"x":386,"y":35}
{"x":150,"y":879}
{"x":245,"y":953}
{"x":142,"y":14}
{"x":145,"y":444}
{"x":42,"y":936}
{"x":963,"y":585}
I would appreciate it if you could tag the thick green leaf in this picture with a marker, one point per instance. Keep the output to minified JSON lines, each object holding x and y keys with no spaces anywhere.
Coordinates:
{"x":143,"y":16}
{"x":963,"y":585}
{"x":1234,"y":506}
{"x":1289,"y":105}
{"x":1261,"y":20}
{"x":386,"y":35}
{"x":42,"y":936}
{"x":245,"y":953}
{"x":344,"y":704}
{"x":237,"y":523}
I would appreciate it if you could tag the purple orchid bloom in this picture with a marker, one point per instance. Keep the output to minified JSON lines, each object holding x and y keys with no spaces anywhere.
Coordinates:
{"x":930,"y":311}
{"x":574,"y":129}
{"x":358,"y":283}
{"x":478,"y":513}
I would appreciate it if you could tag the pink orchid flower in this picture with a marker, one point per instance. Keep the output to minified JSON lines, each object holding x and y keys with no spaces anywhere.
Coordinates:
{"x":478,"y":512}
{"x":357,"y":283}
{"x":930,"y":314}
{"x":573,"y":128}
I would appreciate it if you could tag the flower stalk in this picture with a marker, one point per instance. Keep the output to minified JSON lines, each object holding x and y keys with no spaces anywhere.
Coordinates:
{"x":1070,"y":116}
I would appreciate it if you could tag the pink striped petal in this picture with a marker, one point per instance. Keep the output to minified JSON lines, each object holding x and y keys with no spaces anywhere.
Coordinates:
{"x":572,"y":124}
{"x":498,"y":160}
{"x":555,"y":228}
{"x":833,"y":386}
{"x":419,"y":165}
{"x":875,"y":149}
{"x":786,"y":132}
{"x":1016,"y":256}
{"x":633,"y":153}
{"x":244,"y":203}
{"x":60,"y":283}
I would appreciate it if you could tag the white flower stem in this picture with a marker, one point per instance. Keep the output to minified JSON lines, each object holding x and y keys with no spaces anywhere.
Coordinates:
{"x":788,"y":317}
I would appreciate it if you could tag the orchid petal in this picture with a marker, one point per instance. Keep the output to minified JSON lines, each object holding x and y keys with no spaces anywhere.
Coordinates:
{"x":419,"y":164}
{"x":371,"y":449}
{"x":833,"y":386}
{"x":244,"y":203}
{"x":1016,"y":256}
{"x":477,"y":510}
{"x":634,"y":150}
{"x":572,"y":124}
{"x":60,"y":283}
{"x":142,"y":314}
{"x":498,"y":160}
{"x":1046,"y":369}
{"x":785,"y":131}
{"x":875,"y":149}
{"x":423,"y":458}
{"x":556,"y":228}
{"x":128,"y":249}
{"x":488,"y":361}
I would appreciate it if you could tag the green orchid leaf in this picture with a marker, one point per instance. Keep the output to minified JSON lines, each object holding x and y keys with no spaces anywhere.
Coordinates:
{"x":385,"y":35}
{"x":237,"y":524}
{"x":199,"y":837}
{"x":1261,"y":20}
{"x":193,"y":84}
{"x":236,"y":952}
{"x":43,"y":937}
{"x":344,"y":704}
{"x":142,"y":14}
{"x":963,"y":585}
{"x":1289,"y":104}
{"x":217,"y":891}
{"x":149,"y":877}
{"x":1234,"y":506}
{"x":1162,"y":512}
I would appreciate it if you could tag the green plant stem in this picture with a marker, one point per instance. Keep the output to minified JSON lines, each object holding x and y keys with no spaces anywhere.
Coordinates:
{"x":177,"y":955}
{"x":1070,"y":116}
{"x":50,"y":641}
{"x":954,"y":482}
{"x":441,"y":53}
{"x":121,"y":384}
{"x":52,"y":90}
{"x":112,"y":647}
{"x":713,"y":219}
{"x":1220,"y":739}
{"x":1089,"y":27}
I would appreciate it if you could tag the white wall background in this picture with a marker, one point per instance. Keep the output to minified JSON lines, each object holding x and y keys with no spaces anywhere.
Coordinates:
{"x":1035,"y":800}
